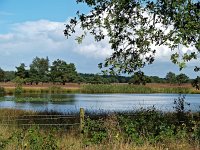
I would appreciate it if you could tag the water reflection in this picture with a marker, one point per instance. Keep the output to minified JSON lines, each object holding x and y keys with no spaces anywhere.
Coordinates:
{"x":97,"y":102}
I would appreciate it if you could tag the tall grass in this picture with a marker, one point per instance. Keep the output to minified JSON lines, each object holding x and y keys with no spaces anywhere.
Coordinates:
{"x":103,"y":88}
{"x":136,"y":130}
{"x":2,"y":91}
{"x":125,"y":88}
{"x":49,"y":90}
{"x":115,"y":88}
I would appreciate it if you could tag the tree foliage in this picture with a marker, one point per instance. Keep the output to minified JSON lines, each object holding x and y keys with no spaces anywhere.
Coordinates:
{"x":139,"y":78}
{"x":2,"y":74}
{"x":62,"y":72}
{"x":134,"y":27}
{"x":182,"y":78}
{"x":171,"y":77}
{"x":196,"y":82}
{"x":21,"y":71}
{"x":39,"y":69}
{"x":9,"y":76}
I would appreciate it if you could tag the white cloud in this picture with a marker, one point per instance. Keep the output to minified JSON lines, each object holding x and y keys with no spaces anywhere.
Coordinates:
{"x":45,"y":38}
{"x":44,"y":35}
{"x":6,"y":37}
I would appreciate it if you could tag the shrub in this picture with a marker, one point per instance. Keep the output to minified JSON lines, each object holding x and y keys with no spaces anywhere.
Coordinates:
{"x":2,"y":91}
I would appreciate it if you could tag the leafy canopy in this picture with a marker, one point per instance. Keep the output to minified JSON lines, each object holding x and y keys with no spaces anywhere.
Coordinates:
{"x":63,"y":72}
{"x":134,"y":27}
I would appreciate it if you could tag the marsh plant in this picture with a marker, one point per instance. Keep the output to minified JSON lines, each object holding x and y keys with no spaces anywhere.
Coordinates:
{"x":33,"y":138}
{"x":18,"y":85}
{"x":183,"y":113}
{"x":55,"y":89}
{"x":138,"y":129}
{"x":2,"y":91}
{"x":142,"y":126}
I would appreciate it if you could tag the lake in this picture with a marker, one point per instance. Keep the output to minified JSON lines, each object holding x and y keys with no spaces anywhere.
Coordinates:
{"x":100,"y":102}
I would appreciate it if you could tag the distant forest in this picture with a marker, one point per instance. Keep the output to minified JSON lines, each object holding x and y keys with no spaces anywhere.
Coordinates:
{"x":61,"y":72}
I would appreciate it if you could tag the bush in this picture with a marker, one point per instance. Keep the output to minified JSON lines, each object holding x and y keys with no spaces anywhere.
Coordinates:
{"x":2,"y":91}
{"x":144,"y":125}
{"x":35,"y":139}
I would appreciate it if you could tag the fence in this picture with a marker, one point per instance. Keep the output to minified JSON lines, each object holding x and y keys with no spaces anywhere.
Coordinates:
{"x":61,"y":121}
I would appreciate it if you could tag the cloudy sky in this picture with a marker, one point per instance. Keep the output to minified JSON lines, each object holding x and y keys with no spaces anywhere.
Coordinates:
{"x":30,"y":28}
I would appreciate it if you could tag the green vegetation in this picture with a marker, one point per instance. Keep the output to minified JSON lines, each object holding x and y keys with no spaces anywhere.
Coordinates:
{"x":139,"y":129}
{"x":50,"y":90}
{"x":100,"y":88}
{"x":125,"y":88}
{"x":133,"y":30}
{"x":115,"y":88}
{"x":2,"y":91}
{"x":139,"y":78}
{"x":60,"y":73}
{"x":2,"y":75}
{"x":34,"y":99}
{"x":41,"y":72}
{"x":18,"y":85}
{"x":196,"y":83}
{"x":39,"y":69}
{"x":144,"y":126}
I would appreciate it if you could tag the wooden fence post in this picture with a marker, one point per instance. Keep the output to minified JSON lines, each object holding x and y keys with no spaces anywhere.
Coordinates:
{"x":82,"y":116}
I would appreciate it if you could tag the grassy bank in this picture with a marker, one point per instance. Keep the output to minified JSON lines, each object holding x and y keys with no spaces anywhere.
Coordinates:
{"x":139,"y":129}
{"x":42,"y":90}
{"x":101,"y":88}
{"x":126,"y":88}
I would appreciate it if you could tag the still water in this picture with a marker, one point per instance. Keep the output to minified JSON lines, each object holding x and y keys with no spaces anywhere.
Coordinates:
{"x":101,"y":102}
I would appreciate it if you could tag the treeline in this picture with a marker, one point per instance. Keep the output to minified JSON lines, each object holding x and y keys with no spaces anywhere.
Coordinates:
{"x":61,"y":72}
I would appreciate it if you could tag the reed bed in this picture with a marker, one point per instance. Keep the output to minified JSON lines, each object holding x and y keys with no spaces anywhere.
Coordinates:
{"x":145,"y":129}
{"x":104,"y":88}
{"x":39,"y":90}
{"x":126,"y":88}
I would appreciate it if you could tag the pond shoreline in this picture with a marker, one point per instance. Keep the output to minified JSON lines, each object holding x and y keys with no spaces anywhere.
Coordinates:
{"x":102,"y":88}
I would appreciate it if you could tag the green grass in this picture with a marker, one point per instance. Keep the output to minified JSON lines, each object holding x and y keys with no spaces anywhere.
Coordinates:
{"x":38,"y":99}
{"x":115,"y":88}
{"x":50,"y":90}
{"x":135,"y":130}
{"x":2,"y":91}
{"x":105,"y":88}
{"x":125,"y":88}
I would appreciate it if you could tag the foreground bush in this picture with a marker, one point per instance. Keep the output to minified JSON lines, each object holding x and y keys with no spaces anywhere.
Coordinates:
{"x":144,"y":126}
{"x":2,"y":91}
{"x":141,"y":129}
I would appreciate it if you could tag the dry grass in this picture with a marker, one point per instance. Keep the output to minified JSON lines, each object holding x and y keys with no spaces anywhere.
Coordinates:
{"x":11,"y":85}
{"x":71,"y":140}
{"x":14,"y":112}
{"x":76,"y":88}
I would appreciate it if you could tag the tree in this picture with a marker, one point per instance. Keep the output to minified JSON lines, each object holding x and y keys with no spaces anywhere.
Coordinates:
{"x":2,"y":75}
{"x":196,"y":83}
{"x":9,"y":75}
{"x":171,"y":77}
{"x":156,"y":79}
{"x":39,"y":70}
{"x":133,"y":27}
{"x":62,"y":72}
{"x":21,"y":71}
{"x":139,"y":78}
{"x":182,"y":78}
{"x":71,"y":72}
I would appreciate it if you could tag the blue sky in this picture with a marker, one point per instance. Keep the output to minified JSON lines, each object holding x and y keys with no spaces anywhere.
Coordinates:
{"x":30,"y":28}
{"x":16,"y":11}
